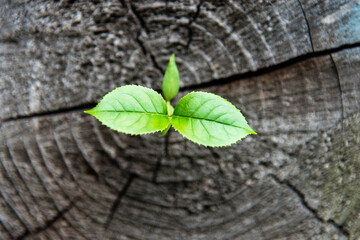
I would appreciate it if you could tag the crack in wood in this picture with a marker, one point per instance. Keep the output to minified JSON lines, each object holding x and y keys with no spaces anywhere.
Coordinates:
{"x":147,"y":52}
{"x":82,"y":107}
{"x":340,"y":92}
{"x":164,"y":155}
{"x":49,"y":223}
{"x":9,"y":40}
{"x":117,"y":201}
{"x":139,"y":18}
{"x":210,"y":83}
{"x":157,"y":168}
{"x":142,"y":24}
{"x":261,"y":71}
{"x":307,"y":24}
{"x":193,"y":20}
{"x":312,"y":210}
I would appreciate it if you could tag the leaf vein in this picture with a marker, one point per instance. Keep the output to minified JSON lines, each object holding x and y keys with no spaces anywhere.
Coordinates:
{"x":136,"y":100}
{"x":202,"y":104}
{"x":221,"y":116}
{"x":120,"y":105}
{"x":212,"y":110}
{"x":117,"y":115}
{"x":151,"y":102}
{"x":226,"y":130}
{"x":147,"y":113}
{"x":135,"y":121}
{"x":210,"y":120}
{"x":207,"y":131}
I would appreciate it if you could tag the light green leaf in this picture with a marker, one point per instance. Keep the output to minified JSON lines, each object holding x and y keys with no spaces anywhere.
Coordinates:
{"x":170,"y":108}
{"x":132,"y":109}
{"x":163,"y":132}
{"x":209,"y":120}
{"x":171,"y":81}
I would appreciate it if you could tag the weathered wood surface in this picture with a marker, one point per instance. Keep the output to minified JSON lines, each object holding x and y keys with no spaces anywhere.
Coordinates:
{"x":50,"y":49}
{"x":64,"y":176}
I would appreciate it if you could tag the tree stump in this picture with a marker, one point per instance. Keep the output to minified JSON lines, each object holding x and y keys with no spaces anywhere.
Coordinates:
{"x":291,"y":66}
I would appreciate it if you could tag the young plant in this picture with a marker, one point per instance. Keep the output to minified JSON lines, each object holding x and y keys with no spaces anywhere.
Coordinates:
{"x":202,"y":117}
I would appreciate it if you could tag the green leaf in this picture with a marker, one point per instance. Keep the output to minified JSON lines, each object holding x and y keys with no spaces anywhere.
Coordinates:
{"x":170,"y":108}
{"x":171,"y":81}
{"x":132,"y":109}
{"x":209,"y":120}
{"x":163,"y":132}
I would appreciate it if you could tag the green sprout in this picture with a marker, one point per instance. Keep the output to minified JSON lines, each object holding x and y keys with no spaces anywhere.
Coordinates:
{"x":204,"y":118}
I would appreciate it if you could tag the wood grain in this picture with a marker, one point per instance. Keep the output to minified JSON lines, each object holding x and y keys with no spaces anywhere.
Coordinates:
{"x":49,"y":50}
{"x":285,"y":64}
{"x":64,"y":174}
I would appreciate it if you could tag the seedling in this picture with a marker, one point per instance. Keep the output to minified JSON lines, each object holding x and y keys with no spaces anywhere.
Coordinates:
{"x":201,"y":117}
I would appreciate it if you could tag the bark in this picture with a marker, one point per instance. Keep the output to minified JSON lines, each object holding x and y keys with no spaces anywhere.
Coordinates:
{"x":292,"y":67}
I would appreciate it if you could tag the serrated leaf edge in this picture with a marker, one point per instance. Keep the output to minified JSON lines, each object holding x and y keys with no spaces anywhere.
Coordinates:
{"x":252,"y":130}
{"x":205,"y":145}
{"x":128,"y":86}
{"x":132,"y":134}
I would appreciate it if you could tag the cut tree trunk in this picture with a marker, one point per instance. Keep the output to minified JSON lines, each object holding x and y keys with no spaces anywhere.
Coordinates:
{"x":291,"y":66}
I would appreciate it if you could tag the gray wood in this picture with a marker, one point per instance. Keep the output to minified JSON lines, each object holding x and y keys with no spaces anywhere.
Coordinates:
{"x":65,"y":176}
{"x":326,"y":22}
{"x":256,"y":189}
{"x":48,"y":50}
